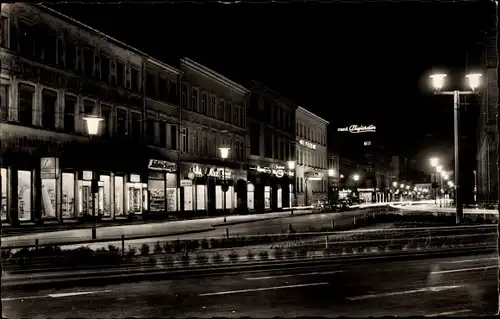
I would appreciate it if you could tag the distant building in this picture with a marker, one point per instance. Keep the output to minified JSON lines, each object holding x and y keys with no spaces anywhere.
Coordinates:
{"x":312,"y":157}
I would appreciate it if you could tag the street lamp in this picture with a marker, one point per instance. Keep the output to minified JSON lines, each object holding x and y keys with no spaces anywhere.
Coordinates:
{"x":331,"y":172}
{"x":224,"y":153}
{"x":93,"y":129}
{"x":474,"y":83}
{"x":394,"y":184}
{"x":355,"y":177}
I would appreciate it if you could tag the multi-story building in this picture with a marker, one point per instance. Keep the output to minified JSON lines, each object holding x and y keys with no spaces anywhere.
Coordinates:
{"x":312,"y":157}
{"x":271,"y":138}
{"x":334,"y":175}
{"x":486,"y":155}
{"x":213,"y":116}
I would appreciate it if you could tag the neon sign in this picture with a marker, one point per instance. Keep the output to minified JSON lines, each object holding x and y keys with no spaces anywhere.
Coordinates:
{"x":355,"y":129}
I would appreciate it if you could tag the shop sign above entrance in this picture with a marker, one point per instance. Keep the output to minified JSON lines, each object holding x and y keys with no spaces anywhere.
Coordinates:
{"x":308,"y":144}
{"x":358,"y":129}
{"x":216,"y":172}
{"x":159,"y":165}
{"x":49,"y":167}
{"x":186,"y":182}
{"x":277,"y":170}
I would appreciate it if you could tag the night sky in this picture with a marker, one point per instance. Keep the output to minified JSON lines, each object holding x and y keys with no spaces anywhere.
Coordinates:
{"x":349,"y":63}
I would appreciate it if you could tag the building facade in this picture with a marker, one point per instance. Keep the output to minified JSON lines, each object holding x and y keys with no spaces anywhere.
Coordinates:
{"x":271,"y":138}
{"x":213,"y":116}
{"x":312,"y":157}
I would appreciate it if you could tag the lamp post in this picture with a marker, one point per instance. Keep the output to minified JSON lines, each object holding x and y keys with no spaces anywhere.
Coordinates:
{"x":434,"y":161}
{"x":93,"y":129}
{"x":224,"y":153}
{"x":291,"y":167}
{"x":438,"y":83}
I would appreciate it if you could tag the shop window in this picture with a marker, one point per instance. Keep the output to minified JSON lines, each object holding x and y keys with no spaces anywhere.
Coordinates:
{"x":201,"y":197}
{"x":105,"y":195}
{"x":188,"y":198}
{"x":290,"y":198}
{"x":3,"y":186}
{"x":69,"y":113}
{"x":134,"y":195}
{"x":85,"y":207}
{"x":219,"y":197}
{"x":267,"y":197}
{"x":4,"y":102}
{"x":250,"y":196}
{"x":119,"y":186}
{"x":24,"y":182}
{"x":49,"y":101}
{"x":172,"y":192}
{"x":68,"y":196}
{"x":229,"y":197}
{"x":156,"y":189}
{"x":279,"y":197}
{"x":25,"y":108}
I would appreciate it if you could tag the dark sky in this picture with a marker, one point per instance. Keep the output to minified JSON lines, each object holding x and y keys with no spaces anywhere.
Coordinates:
{"x":349,"y":63}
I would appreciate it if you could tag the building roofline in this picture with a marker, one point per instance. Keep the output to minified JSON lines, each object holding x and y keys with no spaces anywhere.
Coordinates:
{"x":215,"y":75}
{"x":275,"y":94}
{"x":109,"y":38}
{"x":300,"y":108}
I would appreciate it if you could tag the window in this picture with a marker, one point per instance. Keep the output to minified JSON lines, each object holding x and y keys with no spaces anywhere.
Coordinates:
{"x":222,"y":108}
{"x":173,"y":137}
{"x":70,"y":55}
{"x":254,"y":132}
{"x":276,"y":147}
{"x":88,"y":61}
{"x":69,"y":113}
{"x":49,"y":100}
{"x":184,"y":140}
{"x":150,"y":85}
{"x":25,"y":111}
{"x":121,"y":122}
{"x":135,"y":126}
{"x":60,"y":50}
{"x":26,"y":38}
{"x":172,"y":92}
{"x":236,"y":116}
{"x":184,"y":95}
{"x":163,"y":134}
{"x":88,"y":107}
{"x":4,"y":31}
{"x":205,"y":143}
{"x":105,"y":67}
{"x":150,"y":131}
{"x":229,"y":112}
{"x":287,"y":152}
{"x":163,"y":89}
{"x":204,"y":103}
{"x":120,"y":73}
{"x":213,"y":102}
{"x":49,"y":42}
{"x":135,"y":80}
{"x":106,"y":111}
{"x":127,"y":76}
{"x":4,"y":102}
{"x":268,"y":144}
{"x":194,"y":99}
{"x":195,"y":142}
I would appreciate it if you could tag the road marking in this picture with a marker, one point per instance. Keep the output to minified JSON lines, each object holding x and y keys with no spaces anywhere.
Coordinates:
{"x":404,"y":292}
{"x":462,"y":270}
{"x":448,"y":313}
{"x":261,"y":289}
{"x":59,"y":295}
{"x":471,"y":260}
{"x":293,"y":275}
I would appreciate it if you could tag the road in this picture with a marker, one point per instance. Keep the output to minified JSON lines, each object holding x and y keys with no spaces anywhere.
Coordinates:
{"x":446,"y":286}
{"x":437,"y":208}
{"x":269,"y":226}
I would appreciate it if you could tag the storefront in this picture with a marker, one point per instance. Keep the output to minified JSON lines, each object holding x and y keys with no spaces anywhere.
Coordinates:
{"x":162,"y":186}
{"x":202,"y":188}
{"x":269,"y":187}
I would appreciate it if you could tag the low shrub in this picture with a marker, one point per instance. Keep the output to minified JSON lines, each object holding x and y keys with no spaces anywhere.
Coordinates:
{"x":113,"y":248}
{"x":264,"y":255}
{"x":131,"y":252}
{"x":157,"y":248}
{"x":233,"y":256}
{"x":144,"y":249}
{"x":217,"y":258}
{"x":250,"y":255}
{"x":178,"y":246}
{"x":201,"y":259}
{"x":167,"y":247}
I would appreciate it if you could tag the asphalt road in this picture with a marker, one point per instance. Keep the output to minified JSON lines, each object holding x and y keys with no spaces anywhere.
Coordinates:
{"x":447,"y":286}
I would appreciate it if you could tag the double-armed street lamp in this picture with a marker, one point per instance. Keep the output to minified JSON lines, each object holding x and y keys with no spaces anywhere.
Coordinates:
{"x":93,"y":129}
{"x":438,"y":81}
{"x":224,"y":154}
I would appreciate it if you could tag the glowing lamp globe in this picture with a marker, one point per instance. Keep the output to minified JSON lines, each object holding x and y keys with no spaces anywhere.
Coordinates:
{"x":474,"y":80}
{"x":224,"y":152}
{"x":92,"y":124}
{"x":438,"y":80}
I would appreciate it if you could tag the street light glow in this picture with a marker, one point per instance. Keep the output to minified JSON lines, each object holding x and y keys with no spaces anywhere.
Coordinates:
{"x":291,"y":165}
{"x":402,"y":185}
{"x":92,"y":124}
{"x":331,"y":172}
{"x":474,"y":80}
{"x":407,"y":186}
{"x":439,"y":169}
{"x":394,"y":184}
{"x":224,"y":152}
{"x":355,"y":177}
{"x":434,"y":161}
{"x":438,"y":80}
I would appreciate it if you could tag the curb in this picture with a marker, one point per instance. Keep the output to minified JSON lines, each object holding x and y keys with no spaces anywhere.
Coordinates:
{"x":162,"y":274}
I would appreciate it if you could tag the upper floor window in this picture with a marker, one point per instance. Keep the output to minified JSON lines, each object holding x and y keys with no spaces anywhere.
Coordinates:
{"x":4,"y":31}
{"x":172,"y":92}
{"x":194,"y":99}
{"x":120,"y":73}
{"x":25,"y":104}
{"x":105,"y":67}
{"x":229,"y":112}
{"x":49,"y":106}
{"x":88,"y":61}
{"x":241,"y":117}
{"x":26,"y":38}
{"x":150,"y":131}
{"x":163,"y":89}
{"x":213,"y":105}
{"x":184,"y":140}
{"x":70,"y":105}
{"x":136,"y":86}
{"x":221,"y":110}
{"x":70,"y":55}
{"x":236,"y":116}
{"x":106,"y":115}
{"x":4,"y":101}
{"x":150,"y":84}
{"x":184,"y":95}
{"x":49,"y":44}
{"x":135,"y":125}
{"x":204,"y":103}
{"x":121,"y":122}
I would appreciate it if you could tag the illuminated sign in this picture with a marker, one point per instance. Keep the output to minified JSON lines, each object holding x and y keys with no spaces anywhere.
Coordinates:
{"x":308,"y":144}
{"x":164,"y":166}
{"x":358,"y":129}
{"x":277,"y":170}
{"x":216,"y":172}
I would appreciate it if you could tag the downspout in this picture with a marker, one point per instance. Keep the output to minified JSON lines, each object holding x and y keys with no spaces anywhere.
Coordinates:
{"x":143,"y":128}
{"x":180,"y":207}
